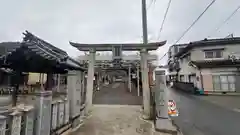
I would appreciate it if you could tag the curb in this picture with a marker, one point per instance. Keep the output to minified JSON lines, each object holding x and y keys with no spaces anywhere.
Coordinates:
{"x":172,"y":132}
{"x":221,"y":94}
{"x":178,"y":128}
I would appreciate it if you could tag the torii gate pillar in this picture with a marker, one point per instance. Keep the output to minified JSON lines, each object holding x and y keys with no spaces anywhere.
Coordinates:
{"x":145,"y":84}
{"x":90,"y":77}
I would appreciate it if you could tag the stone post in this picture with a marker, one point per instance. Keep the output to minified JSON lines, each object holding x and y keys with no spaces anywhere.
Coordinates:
{"x":15,"y":122}
{"x":129,"y":79}
{"x":43,"y":112}
{"x":138,"y":84}
{"x":54,"y":115}
{"x":163,"y":123}
{"x":74,"y":92}
{"x":66,"y":111}
{"x":60,"y":118}
{"x":3,"y":122}
{"x":28,"y":116}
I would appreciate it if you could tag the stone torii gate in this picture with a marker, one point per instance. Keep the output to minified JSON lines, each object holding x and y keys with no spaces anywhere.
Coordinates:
{"x":117,"y":56}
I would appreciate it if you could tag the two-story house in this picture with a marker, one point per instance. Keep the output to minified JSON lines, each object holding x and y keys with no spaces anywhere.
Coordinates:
{"x":207,"y":64}
{"x":172,"y":51}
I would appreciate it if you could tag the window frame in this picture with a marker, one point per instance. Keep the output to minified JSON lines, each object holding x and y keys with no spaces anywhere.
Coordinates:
{"x":181,"y":77}
{"x":220,"y":83}
{"x":214,"y":54}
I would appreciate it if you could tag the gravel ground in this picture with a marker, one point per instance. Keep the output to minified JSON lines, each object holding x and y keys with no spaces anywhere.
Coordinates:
{"x":116,"y":120}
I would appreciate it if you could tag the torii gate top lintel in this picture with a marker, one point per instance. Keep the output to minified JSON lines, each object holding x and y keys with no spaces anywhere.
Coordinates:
{"x":126,"y":46}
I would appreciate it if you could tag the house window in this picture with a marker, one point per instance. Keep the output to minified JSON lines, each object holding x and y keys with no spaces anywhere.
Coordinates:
{"x":117,"y":51}
{"x":218,"y":54}
{"x":224,"y":82}
{"x":181,"y":78}
{"x":180,"y":49}
{"x":192,"y":78}
{"x":188,"y":58}
{"x":213,"y":54}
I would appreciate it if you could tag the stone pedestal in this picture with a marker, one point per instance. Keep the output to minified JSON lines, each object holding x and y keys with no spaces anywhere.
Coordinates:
{"x":43,"y":113}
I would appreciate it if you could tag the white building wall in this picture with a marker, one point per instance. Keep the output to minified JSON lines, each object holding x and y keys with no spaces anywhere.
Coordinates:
{"x":198,"y":53}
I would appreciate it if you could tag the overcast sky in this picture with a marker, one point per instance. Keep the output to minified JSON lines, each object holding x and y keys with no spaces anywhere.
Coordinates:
{"x":102,"y":21}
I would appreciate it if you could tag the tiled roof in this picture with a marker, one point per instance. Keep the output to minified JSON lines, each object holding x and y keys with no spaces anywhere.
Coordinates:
{"x":208,"y":42}
{"x":216,"y":63}
{"x":39,"y":47}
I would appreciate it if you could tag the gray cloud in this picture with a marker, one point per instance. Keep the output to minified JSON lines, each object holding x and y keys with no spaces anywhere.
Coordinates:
{"x":91,"y":21}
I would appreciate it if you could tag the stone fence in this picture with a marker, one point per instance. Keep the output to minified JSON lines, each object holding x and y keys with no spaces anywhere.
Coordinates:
{"x":44,"y":116}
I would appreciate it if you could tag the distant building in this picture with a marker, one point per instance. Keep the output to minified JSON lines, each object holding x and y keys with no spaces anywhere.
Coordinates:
{"x":172,"y":64}
{"x":211,"y":64}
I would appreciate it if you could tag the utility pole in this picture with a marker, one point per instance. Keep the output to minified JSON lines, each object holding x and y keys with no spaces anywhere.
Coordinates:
{"x":144,"y":22}
{"x":144,"y":65}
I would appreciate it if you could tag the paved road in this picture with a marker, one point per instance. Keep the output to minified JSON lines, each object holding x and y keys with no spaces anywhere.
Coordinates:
{"x":198,"y":116}
{"x":117,"y":93}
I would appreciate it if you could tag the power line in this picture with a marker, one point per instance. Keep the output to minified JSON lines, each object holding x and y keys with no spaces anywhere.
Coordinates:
{"x":152,"y":2}
{"x":164,"y":18}
{"x":163,"y":56}
{"x":228,"y":18}
{"x":185,"y":32}
{"x":165,"y":15}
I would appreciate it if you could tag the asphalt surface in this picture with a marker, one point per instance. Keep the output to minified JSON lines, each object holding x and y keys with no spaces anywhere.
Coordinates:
{"x":117,"y":94}
{"x":200,"y":117}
